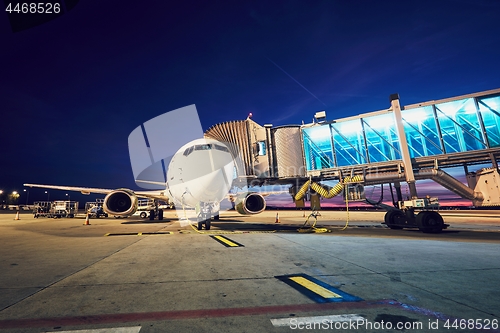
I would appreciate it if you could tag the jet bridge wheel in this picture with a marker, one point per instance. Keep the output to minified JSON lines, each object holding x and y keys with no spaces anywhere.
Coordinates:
{"x":430,"y":222}
{"x":394,"y":219}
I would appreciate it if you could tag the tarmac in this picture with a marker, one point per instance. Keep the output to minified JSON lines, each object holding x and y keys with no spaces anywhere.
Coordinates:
{"x":249,"y":274}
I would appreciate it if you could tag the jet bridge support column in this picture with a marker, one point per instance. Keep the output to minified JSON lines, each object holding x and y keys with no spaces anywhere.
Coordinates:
{"x":405,"y":152}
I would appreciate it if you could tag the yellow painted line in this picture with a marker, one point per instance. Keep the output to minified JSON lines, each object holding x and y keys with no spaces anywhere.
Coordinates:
{"x":315,"y":288}
{"x":226,"y":241}
{"x":140,"y":233}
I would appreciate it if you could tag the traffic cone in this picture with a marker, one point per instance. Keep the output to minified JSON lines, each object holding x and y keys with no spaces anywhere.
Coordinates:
{"x":87,"y":220}
{"x":277,"y":218}
{"x":17,"y":216}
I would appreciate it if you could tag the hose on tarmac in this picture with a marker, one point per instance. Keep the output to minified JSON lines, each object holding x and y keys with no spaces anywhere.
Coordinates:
{"x":328,"y":194}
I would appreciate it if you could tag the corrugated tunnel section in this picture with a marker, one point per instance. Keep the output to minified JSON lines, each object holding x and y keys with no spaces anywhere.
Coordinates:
{"x":265,"y":152}
{"x":235,"y":134}
{"x":287,"y":153}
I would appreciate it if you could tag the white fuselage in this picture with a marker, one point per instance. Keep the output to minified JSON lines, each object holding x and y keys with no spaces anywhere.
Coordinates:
{"x":200,"y":171}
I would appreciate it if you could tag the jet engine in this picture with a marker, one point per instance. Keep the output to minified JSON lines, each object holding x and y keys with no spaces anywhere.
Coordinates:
{"x":121,"y":202}
{"x":250,"y":203}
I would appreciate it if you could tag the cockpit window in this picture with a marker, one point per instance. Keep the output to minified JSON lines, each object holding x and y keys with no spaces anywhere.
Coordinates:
{"x":202,"y":147}
{"x":221,"y":148}
{"x":188,"y":151}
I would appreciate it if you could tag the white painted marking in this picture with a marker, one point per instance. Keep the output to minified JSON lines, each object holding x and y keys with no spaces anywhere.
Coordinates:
{"x":134,"y":329}
{"x":318,"y":319}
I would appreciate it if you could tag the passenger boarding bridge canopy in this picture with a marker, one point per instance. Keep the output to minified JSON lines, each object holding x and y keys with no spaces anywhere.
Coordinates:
{"x":449,"y":126}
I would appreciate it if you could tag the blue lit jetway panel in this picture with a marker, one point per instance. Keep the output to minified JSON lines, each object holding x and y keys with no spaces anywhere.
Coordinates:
{"x":455,"y":125}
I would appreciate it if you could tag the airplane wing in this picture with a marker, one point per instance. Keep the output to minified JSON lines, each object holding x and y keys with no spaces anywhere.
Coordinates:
{"x":161,"y":195}
{"x":232,"y":196}
{"x":265,"y":194}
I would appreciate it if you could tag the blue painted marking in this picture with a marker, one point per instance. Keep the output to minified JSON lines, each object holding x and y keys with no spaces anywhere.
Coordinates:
{"x":345,"y":297}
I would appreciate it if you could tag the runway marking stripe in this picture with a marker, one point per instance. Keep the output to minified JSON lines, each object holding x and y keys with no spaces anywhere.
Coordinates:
{"x":158,"y":233}
{"x":226,"y":241}
{"x":317,"y":290}
{"x":134,"y":329}
{"x":139,"y":233}
{"x":282,"y":322}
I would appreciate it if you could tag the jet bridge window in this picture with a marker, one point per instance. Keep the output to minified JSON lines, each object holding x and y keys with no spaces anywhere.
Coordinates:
{"x":318,"y":147}
{"x":381,"y":138}
{"x":422,"y":133}
{"x":260,"y":148}
{"x":349,"y":142}
{"x":490,"y":111}
{"x":460,"y":128}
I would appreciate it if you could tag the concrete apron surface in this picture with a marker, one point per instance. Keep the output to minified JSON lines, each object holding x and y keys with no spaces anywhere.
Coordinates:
{"x":59,"y":275}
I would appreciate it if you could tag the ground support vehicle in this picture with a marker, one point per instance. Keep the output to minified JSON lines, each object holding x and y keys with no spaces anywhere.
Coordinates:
{"x":94,"y":209}
{"x":55,"y":209}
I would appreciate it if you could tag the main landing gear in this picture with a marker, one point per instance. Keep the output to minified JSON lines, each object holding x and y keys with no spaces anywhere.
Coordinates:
{"x":154,"y":214}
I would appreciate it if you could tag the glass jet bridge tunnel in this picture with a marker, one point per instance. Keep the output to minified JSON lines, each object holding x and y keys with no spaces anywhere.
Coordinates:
{"x":458,"y":131}
{"x":458,"y":125}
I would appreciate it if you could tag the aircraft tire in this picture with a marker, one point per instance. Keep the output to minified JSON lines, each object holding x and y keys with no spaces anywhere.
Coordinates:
{"x":160,"y":214}
{"x":207,"y":224}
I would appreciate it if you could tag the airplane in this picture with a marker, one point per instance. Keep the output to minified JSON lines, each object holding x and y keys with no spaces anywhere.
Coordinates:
{"x":200,"y":175}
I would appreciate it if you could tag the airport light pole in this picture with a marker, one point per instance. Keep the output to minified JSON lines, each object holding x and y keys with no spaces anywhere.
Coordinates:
{"x":69,"y":196}
{"x":1,"y":201}
{"x":14,"y":197}
{"x":27,"y":195}
{"x":48,"y":194}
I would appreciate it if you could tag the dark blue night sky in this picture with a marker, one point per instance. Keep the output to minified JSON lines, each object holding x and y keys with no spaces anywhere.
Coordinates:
{"x":72,"y":89}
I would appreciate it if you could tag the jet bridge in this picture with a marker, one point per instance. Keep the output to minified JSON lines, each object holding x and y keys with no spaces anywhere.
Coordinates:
{"x":399,"y":144}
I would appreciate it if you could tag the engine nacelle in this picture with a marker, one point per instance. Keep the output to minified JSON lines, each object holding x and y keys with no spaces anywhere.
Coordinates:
{"x":250,"y":203}
{"x":122,"y":202}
